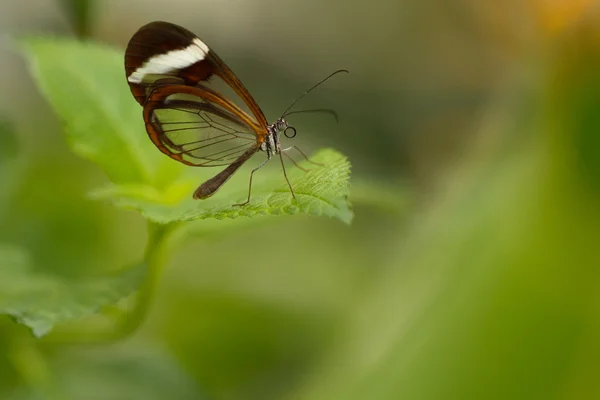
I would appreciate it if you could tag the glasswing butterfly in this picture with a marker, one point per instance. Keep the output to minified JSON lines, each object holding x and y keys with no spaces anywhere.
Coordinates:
{"x":168,"y":70}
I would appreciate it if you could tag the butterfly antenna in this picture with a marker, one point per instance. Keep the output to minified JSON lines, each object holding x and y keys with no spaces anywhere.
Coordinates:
{"x":316,"y":110}
{"x":313,"y":87}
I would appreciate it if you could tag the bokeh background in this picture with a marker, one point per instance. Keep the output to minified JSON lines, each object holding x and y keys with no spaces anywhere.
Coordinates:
{"x":469,"y":272}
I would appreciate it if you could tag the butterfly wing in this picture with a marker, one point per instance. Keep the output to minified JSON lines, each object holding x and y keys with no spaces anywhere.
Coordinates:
{"x":168,"y":70}
{"x":162,"y":53}
{"x":197,"y":127}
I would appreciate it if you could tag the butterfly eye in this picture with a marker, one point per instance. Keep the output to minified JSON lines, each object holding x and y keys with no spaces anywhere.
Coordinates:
{"x":290,"y":132}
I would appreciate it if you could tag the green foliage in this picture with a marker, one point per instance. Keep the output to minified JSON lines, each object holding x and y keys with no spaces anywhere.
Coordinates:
{"x":85,"y":85}
{"x":41,"y":301}
{"x":8,"y":141}
{"x":8,"y":155}
{"x":493,"y":293}
{"x":321,"y":191}
{"x":488,"y":291}
{"x":131,"y":372}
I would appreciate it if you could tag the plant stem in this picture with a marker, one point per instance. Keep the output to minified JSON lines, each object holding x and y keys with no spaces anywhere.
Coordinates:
{"x":154,"y":257}
{"x":128,"y":322}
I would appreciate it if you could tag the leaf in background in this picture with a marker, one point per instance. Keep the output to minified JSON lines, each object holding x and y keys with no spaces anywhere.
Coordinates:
{"x":85,"y":85}
{"x":494,"y":293}
{"x":380,"y":195}
{"x":8,"y":141}
{"x":131,"y":372}
{"x":321,"y":191}
{"x":142,"y":372}
{"x":8,"y":156}
{"x":41,"y":301}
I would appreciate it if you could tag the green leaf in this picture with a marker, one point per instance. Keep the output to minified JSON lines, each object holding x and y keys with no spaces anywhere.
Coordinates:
{"x":142,"y":372}
{"x":85,"y":84}
{"x":380,"y":195}
{"x":124,"y":371}
{"x":322,"y":190}
{"x":40,"y":301}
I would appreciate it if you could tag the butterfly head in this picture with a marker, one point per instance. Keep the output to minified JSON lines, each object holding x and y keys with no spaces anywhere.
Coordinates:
{"x":271,"y":144}
{"x":281,"y":125}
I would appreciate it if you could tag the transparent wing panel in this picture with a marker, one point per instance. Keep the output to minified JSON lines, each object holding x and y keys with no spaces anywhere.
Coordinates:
{"x":204,"y":133}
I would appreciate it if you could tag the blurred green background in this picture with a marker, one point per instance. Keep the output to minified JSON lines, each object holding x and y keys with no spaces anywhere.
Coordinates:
{"x":470,"y":270}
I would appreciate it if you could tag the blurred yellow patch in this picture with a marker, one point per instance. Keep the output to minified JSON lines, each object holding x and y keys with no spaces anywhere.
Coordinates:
{"x":556,"y":15}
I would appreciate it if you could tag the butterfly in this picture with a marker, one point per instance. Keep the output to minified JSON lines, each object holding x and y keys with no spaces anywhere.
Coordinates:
{"x":170,"y":72}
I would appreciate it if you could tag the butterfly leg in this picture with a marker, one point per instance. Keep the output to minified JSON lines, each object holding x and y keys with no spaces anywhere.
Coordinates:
{"x":304,"y":155}
{"x":294,"y":161}
{"x":250,"y":184}
{"x":285,"y":175}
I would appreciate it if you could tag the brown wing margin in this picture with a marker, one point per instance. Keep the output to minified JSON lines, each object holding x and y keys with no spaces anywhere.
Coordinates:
{"x":152,"y":40}
{"x":160,"y":38}
{"x":223,"y":71}
{"x":209,"y":187}
{"x":156,"y":101}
